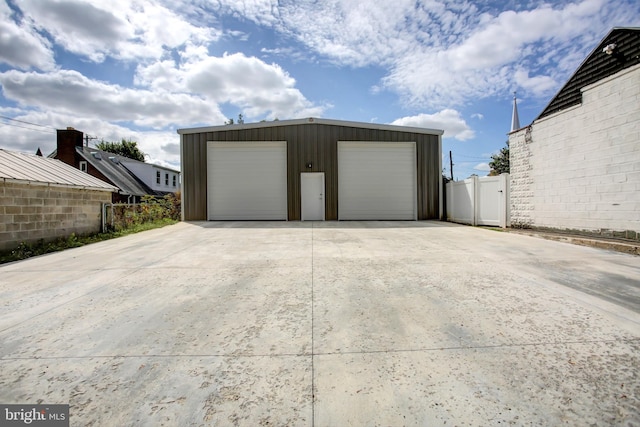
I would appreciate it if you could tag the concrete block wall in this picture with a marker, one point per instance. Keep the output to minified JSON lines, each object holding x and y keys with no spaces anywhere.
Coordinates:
{"x":521,"y":195}
{"x":579,"y":169}
{"x":30,"y":212}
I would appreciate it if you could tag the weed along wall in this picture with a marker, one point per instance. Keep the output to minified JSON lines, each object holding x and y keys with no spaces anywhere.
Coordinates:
{"x":32,"y":211}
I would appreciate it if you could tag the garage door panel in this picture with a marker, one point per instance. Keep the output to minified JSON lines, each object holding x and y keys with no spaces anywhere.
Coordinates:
{"x":376,"y":181}
{"x":247,"y":181}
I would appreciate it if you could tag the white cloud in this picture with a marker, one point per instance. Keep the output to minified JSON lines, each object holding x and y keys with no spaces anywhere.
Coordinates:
{"x":482,"y":167}
{"x":20,"y":44}
{"x":441,"y":54}
{"x":449,"y":120}
{"x":477,"y":116}
{"x":537,"y":85}
{"x":168,"y":95}
{"x":257,"y":88}
{"x":436,"y":54}
{"x":484,"y":62}
{"x":348,"y":32}
{"x":120,"y":28}
{"x":159,"y":146}
{"x":70,"y":92}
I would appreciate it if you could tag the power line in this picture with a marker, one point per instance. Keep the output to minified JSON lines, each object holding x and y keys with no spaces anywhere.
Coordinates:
{"x":25,"y":122}
{"x":24,"y":127}
{"x":473,"y":158}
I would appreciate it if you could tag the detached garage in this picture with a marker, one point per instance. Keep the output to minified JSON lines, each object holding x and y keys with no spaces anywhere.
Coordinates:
{"x":311,"y":169}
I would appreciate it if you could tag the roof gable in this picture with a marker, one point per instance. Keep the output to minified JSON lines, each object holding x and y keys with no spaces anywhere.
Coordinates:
{"x":597,"y":66}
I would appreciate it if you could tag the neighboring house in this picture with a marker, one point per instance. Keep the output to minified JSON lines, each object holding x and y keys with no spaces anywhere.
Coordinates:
{"x":311,"y":169}
{"x":577,"y":166}
{"x":43,"y":198}
{"x":134,"y":179}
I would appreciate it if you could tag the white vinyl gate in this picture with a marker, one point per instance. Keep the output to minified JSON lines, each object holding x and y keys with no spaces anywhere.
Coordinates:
{"x":479,"y":201}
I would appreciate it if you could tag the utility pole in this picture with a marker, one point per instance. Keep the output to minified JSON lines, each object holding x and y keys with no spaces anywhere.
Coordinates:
{"x":87,"y":138}
{"x":451,"y":164}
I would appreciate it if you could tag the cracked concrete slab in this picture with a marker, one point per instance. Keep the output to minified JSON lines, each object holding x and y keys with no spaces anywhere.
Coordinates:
{"x":325,"y":324}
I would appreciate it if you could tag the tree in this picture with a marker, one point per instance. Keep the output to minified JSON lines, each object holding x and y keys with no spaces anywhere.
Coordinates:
{"x":125,"y":148}
{"x":240,"y":120}
{"x":500,"y":162}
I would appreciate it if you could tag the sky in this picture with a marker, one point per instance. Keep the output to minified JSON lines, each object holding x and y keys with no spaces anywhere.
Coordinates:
{"x":141,"y":69}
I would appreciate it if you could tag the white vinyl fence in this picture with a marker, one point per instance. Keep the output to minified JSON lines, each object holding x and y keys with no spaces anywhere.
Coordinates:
{"x":479,"y":201}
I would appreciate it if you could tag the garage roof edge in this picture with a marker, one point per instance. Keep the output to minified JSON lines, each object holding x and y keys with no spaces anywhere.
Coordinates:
{"x":311,"y":120}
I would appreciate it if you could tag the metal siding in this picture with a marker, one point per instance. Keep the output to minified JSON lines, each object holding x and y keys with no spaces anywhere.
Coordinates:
{"x":327,"y":163}
{"x":315,"y":143}
{"x":186,"y":163}
{"x":188,"y":171}
{"x":293,"y":173}
{"x":192,"y":182}
{"x":433,"y":176}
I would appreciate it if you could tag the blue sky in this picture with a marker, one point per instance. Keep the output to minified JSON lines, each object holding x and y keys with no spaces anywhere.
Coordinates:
{"x":143,"y":69}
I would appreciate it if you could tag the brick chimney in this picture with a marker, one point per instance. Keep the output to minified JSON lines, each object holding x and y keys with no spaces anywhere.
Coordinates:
{"x":68,"y":140}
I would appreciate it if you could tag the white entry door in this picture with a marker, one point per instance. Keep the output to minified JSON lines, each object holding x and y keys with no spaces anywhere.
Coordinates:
{"x":312,"y":196}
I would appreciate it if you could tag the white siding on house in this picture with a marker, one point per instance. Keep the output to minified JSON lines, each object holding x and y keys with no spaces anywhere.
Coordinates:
{"x":580,"y":168}
{"x":147,"y":173}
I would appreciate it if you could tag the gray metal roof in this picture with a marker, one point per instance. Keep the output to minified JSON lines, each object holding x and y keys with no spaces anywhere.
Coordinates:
{"x":16,"y":166}
{"x":312,"y":120}
{"x":111,"y":166}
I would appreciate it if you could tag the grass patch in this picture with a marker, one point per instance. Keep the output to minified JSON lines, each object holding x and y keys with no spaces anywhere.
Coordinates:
{"x":28,"y":250}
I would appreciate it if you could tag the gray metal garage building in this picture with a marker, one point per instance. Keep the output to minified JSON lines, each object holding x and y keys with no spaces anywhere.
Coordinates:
{"x":311,"y":169}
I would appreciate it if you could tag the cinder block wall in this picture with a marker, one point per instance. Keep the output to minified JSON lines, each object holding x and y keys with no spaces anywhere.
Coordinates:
{"x":579,"y":169}
{"x":30,"y":212}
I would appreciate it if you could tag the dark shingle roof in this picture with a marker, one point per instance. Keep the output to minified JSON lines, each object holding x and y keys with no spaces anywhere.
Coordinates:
{"x":597,"y":66}
{"x":110,"y":165}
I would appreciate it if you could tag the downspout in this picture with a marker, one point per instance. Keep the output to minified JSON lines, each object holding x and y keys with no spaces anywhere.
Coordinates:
{"x":441,"y":190}
{"x":182,"y":177}
{"x":104,"y":219}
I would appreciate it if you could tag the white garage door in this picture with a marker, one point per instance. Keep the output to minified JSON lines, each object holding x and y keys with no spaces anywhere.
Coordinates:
{"x":247,"y":180}
{"x":376,"y":181}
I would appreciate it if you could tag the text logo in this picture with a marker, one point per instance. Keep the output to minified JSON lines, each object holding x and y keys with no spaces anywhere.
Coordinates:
{"x":34,"y":415}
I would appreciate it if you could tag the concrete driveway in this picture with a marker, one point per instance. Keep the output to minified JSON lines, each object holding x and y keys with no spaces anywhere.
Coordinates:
{"x":325,"y":324}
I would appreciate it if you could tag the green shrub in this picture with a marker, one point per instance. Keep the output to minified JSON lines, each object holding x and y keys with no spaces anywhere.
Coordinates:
{"x":150,"y":209}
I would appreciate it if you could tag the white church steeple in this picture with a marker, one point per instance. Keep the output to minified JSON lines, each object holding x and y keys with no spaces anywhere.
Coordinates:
{"x":515,"y":120}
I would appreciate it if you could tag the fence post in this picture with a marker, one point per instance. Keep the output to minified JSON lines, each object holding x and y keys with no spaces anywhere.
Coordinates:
{"x":449,"y":200}
{"x":474,"y":200}
{"x":505,"y":203}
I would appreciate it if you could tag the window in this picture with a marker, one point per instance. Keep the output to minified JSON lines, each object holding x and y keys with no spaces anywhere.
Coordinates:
{"x":83,"y":166}
{"x":174,"y":180}
{"x":157,"y":177}
{"x":166,"y":179}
